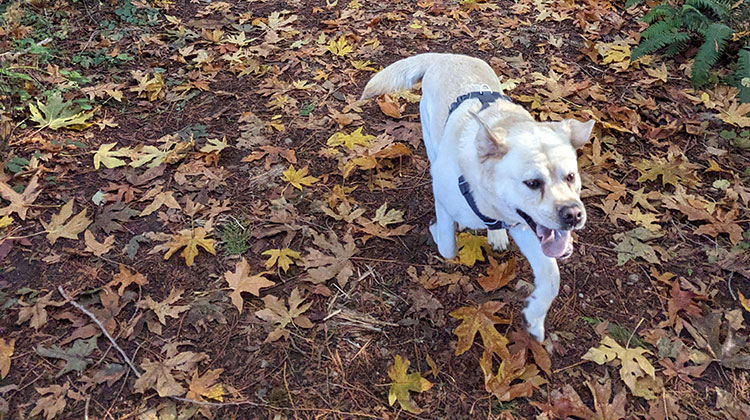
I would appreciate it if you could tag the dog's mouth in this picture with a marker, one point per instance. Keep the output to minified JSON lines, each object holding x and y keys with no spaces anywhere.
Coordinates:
{"x":555,"y":243}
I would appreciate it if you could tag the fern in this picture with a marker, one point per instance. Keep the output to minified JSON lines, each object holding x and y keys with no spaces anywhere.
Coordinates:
{"x":660,"y":27}
{"x":631,"y":3}
{"x":742,"y":75}
{"x":718,"y":8}
{"x":716,"y":35}
{"x":660,"y":10}
{"x":657,"y":42}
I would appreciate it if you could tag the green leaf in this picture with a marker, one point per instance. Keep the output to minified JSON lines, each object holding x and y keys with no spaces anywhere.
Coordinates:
{"x":74,"y":356}
{"x":717,"y":35}
{"x":58,"y":114}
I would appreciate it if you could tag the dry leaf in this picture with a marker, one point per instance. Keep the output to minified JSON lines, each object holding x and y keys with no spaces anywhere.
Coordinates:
{"x":482,"y":319}
{"x":189,"y":239}
{"x":95,"y":247}
{"x":241,"y":281}
{"x":59,"y":228}
{"x":403,"y":383}
{"x":277,"y":313}
{"x":19,"y":203}
{"x":498,"y":275}
{"x":6,"y":352}
{"x":164,"y":308}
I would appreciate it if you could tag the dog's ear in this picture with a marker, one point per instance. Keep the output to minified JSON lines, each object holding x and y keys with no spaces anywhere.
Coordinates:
{"x":579,"y":132}
{"x":491,"y":141}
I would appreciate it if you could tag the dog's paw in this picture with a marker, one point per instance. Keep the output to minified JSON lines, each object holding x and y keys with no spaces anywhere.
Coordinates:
{"x":537,"y":331}
{"x":498,"y":239}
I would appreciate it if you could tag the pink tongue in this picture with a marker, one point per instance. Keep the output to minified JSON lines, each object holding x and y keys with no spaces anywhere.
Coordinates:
{"x":555,"y":243}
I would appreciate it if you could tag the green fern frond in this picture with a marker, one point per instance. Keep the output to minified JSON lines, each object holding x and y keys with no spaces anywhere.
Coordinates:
{"x":693,"y":18}
{"x":716,"y":7}
{"x":743,"y":73}
{"x":716,"y":35}
{"x":661,"y":27}
{"x":679,"y":45}
{"x":657,"y":42}
{"x":660,"y":10}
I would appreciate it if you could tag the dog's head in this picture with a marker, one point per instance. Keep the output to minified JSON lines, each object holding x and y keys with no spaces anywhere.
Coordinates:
{"x":532,"y":169}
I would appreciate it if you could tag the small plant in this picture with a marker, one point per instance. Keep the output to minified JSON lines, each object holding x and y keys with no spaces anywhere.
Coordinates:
{"x":672,"y":27}
{"x":235,"y":235}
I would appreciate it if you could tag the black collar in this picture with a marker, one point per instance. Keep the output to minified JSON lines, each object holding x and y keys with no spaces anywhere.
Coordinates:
{"x":492,"y":224}
{"x":485,"y":97}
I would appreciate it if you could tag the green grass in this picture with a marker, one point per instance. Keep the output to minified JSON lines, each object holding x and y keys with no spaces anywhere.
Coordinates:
{"x":234,"y":234}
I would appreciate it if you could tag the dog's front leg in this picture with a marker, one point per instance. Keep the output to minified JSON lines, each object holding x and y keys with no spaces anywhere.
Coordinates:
{"x":444,"y":232}
{"x":546,"y":280}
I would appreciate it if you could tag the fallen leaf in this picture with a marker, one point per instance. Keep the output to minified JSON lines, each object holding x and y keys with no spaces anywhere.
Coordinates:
{"x":125,"y":278}
{"x":321,"y":267}
{"x":75,"y":356}
{"x":513,"y":378}
{"x":385,"y":216}
{"x":190,"y":239}
{"x":745,"y":302}
{"x":732,"y":353}
{"x":389,"y":106}
{"x":95,"y":247}
{"x":6,"y":352}
{"x":53,"y":404}
{"x":482,"y":319}
{"x":355,"y":138}
{"x":19,"y":203}
{"x":59,"y":228}
{"x":164,"y":198}
{"x":298,"y":178}
{"x":59,"y":114}
{"x":36,"y":312}
{"x":634,"y":364}
{"x":630,"y":246}
{"x":522,"y":342}
{"x":604,"y":409}
{"x":277,"y":313}
{"x":470,"y":248}
{"x":105,"y":156}
{"x":283,"y":257}
{"x":403,"y":383}
{"x":158,"y":375}
{"x":498,"y":275}
{"x":241,"y":281}
{"x":206,"y":386}
{"x":164,"y":308}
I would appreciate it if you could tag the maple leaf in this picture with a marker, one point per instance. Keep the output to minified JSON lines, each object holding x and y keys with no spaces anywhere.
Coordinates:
{"x":164,"y":198}
{"x":58,"y":228}
{"x":504,"y":384}
{"x":5,"y":221}
{"x":6,"y":352}
{"x":215,"y":145}
{"x":75,"y":356}
{"x":125,"y":278}
{"x":158,"y":375}
{"x":673,"y":170}
{"x":190,"y":239}
{"x":634,"y":364}
{"x":522,"y":342}
{"x":345,"y":212}
{"x":604,"y":409}
{"x":164,"y":308}
{"x":298,"y":178}
{"x":277,"y":313}
{"x":147,"y":88}
{"x":19,"y":203}
{"x":339,"y":48}
{"x":241,"y":281}
{"x":36,"y":312}
{"x":680,"y":300}
{"x":498,"y":275}
{"x":736,"y":115}
{"x":283,"y":257}
{"x":745,"y":302}
{"x":390,"y":106}
{"x":646,"y":220}
{"x":733,"y":353}
{"x":722,"y":222}
{"x":111,"y":217}
{"x":206,"y":386}
{"x":631,"y":247}
{"x":373,"y":229}
{"x":470,"y":248}
{"x":617,"y":53}
{"x":403,"y":383}
{"x":148,"y":154}
{"x":384,"y":218}
{"x":59,"y":114}
{"x":679,"y":367}
{"x":565,"y":404}
{"x":95,"y":247}
{"x":355,"y":138}
{"x":482,"y":319}
{"x":53,"y":404}
{"x":109,"y":158}
{"x":431,"y":279}
{"x":321,"y":267}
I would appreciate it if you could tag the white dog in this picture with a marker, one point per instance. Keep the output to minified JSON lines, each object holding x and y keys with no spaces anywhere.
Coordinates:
{"x":494,"y":167}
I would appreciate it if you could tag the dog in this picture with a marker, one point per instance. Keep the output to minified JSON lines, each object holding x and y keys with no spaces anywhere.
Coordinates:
{"x":494,"y":167}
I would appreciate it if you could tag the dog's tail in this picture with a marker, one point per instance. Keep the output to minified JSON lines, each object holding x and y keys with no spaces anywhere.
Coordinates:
{"x":400,"y":75}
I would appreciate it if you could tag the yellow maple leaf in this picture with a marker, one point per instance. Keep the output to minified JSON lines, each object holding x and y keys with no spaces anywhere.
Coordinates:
{"x":634,"y":363}
{"x":403,"y":383}
{"x":617,"y":53}
{"x":190,"y":239}
{"x":647,"y":220}
{"x":470,"y":248}
{"x":283,"y":257}
{"x":744,"y":301}
{"x":107,"y":157}
{"x":339,"y":48}
{"x":298,"y":178}
{"x":481,"y":319}
{"x":206,"y":386}
{"x":350,"y":140}
{"x":6,"y":351}
{"x":5,"y":221}
{"x":58,"y":228}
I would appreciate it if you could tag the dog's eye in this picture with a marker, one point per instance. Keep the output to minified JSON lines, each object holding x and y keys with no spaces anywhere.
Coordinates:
{"x":570,"y":177}
{"x":534,"y":184}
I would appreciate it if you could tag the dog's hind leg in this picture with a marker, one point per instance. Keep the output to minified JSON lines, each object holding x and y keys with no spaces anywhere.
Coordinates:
{"x":498,"y":238}
{"x":546,"y":280}
{"x":444,"y":232}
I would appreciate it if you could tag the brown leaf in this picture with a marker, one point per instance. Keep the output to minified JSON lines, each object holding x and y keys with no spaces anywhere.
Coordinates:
{"x":732,"y":353}
{"x":164,"y":308}
{"x":321,"y":267}
{"x":19,"y":203}
{"x":513,"y":379}
{"x":95,"y":247}
{"x":125,"y":278}
{"x":59,"y":228}
{"x":37,"y":311}
{"x":53,"y":404}
{"x":481,"y":319}
{"x":6,"y":352}
{"x":241,"y":281}
{"x":390,"y":106}
{"x":277,"y":313}
{"x":521,"y":342}
{"x":498,"y":275}
{"x":164,"y":198}
{"x":565,"y":404}
{"x":604,"y":409}
{"x":206,"y":386}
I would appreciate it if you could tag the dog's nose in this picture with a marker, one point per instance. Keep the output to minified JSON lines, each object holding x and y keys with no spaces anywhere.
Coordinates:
{"x":571,"y":215}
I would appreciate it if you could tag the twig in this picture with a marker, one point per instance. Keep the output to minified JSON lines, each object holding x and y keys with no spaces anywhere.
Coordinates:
{"x":101,"y":327}
{"x":627,"y":345}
